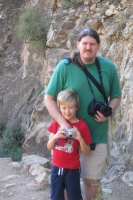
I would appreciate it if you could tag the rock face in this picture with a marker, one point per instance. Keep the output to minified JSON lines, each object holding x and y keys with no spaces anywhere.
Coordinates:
{"x":23,"y":72}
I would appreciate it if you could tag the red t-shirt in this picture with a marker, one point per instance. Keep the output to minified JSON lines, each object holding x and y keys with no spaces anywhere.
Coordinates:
{"x":66,"y":151}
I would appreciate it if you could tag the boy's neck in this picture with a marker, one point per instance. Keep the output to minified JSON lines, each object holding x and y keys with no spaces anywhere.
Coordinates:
{"x":74,"y":120}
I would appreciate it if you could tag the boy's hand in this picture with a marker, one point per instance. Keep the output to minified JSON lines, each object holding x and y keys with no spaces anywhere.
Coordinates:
{"x":60,"y":134}
{"x":77,"y":135}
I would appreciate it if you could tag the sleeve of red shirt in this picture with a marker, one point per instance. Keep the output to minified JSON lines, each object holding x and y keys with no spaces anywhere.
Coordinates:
{"x":86,"y":135}
{"x":53,"y":127}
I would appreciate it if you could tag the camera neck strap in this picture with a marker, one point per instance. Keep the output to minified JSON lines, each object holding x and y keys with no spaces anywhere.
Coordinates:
{"x":89,"y":75}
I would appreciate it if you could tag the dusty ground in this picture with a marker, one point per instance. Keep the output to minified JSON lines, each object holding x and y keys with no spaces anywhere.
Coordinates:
{"x":15,"y":185}
{"x":120,"y":191}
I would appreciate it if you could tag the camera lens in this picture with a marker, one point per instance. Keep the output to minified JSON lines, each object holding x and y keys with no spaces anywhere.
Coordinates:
{"x":105,"y":110}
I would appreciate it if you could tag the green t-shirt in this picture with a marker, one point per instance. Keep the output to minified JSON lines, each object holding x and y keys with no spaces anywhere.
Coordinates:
{"x":72,"y":77}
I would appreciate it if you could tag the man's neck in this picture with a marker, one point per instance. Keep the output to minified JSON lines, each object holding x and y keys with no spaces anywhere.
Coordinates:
{"x":87,"y":61}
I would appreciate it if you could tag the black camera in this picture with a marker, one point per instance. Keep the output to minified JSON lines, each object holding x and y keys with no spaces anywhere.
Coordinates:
{"x":95,"y":106}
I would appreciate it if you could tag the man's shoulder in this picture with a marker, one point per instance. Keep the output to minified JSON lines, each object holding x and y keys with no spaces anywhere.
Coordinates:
{"x":64,"y":65}
{"x":67,"y":60}
{"x":105,"y":60}
{"x":64,"y":62}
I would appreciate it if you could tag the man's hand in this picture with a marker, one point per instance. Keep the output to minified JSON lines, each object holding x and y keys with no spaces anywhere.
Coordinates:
{"x":114,"y":103}
{"x":99,"y":117}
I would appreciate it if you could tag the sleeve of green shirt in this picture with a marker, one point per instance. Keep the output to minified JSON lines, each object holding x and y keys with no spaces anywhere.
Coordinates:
{"x":56,"y":82}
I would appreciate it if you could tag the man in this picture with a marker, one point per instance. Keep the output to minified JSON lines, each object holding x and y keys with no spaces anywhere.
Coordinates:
{"x":69,"y":75}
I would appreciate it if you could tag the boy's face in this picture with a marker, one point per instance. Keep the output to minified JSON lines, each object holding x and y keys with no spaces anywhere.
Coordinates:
{"x":69,"y":111}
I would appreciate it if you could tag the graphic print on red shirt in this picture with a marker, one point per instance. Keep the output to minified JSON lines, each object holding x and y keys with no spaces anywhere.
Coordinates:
{"x":64,"y":145}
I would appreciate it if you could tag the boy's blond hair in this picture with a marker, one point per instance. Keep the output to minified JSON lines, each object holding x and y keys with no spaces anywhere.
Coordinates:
{"x":67,"y":97}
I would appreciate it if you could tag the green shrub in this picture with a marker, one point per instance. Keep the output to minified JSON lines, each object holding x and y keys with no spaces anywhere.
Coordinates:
{"x":119,"y":25}
{"x":11,"y":144}
{"x":72,"y":3}
{"x":33,"y":28}
{"x":103,"y":10}
{"x":131,"y":31}
{"x":115,"y":2}
{"x":39,"y":89}
{"x":16,"y":153}
{"x":2,"y":127}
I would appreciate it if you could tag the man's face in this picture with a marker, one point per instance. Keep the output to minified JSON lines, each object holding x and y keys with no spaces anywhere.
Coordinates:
{"x":88,"y":48}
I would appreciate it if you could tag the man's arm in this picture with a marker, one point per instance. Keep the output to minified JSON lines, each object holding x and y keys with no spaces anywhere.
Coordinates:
{"x":114,"y":103}
{"x":53,"y":110}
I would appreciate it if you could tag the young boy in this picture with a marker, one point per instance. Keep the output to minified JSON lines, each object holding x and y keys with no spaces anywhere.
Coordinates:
{"x":65,"y":144}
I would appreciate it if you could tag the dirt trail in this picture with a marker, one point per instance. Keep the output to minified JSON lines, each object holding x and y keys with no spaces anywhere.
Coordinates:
{"x":16,"y":185}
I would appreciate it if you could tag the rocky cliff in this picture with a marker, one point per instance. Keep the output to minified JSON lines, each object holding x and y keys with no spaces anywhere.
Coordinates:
{"x":24,"y":71}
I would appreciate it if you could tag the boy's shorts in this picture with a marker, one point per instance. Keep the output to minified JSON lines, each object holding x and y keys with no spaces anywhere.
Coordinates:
{"x":93,"y":166}
{"x":62,"y":178}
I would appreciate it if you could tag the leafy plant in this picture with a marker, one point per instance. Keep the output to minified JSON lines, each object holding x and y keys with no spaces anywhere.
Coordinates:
{"x":115,"y":2}
{"x":11,"y":145}
{"x":2,"y":127}
{"x":131,"y":31}
{"x":127,"y":14}
{"x":72,"y":3}
{"x":39,"y":89}
{"x":103,"y":9}
{"x":33,"y":28}
{"x":99,"y":188}
{"x":121,"y":20}
{"x":117,"y":24}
